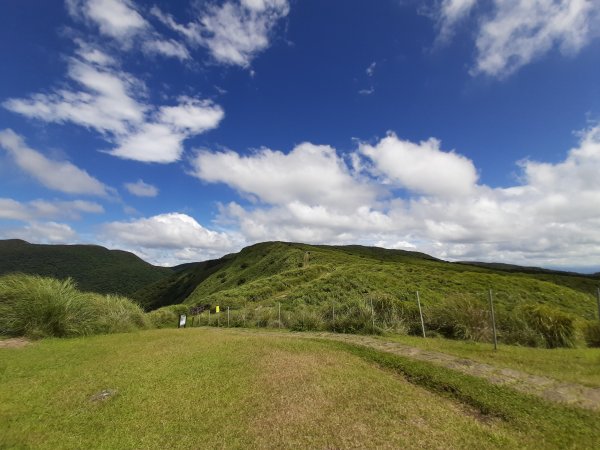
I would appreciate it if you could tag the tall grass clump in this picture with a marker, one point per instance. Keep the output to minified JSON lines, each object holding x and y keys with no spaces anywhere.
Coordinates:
{"x":556,"y":327}
{"x":38,"y":307}
{"x":591,"y":333}
{"x":167,"y":316}
{"x":460,"y":317}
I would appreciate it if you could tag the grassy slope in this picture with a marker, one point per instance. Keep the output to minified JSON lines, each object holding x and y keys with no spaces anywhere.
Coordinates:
{"x":271,"y":272}
{"x":206,"y":388}
{"x":582,"y":363}
{"x":94,"y":268}
{"x":175,"y":288}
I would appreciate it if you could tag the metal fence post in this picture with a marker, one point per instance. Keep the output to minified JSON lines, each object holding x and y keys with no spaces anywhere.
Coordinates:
{"x":228,"y":317}
{"x":491,"y":295}
{"x":421,"y":314}
{"x":279,"y":313}
{"x":373,"y":314}
{"x":598,"y":299}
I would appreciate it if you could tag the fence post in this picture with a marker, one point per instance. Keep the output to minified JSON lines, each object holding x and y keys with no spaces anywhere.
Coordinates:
{"x":279,"y":313}
{"x":208,"y":317}
{"x":228,"y":317}
{"x":598,"y":299}
{"x":372,"y":314}
{"x":491,"y":295}
{"x":333,"y":315}
{"x":421,"y":314}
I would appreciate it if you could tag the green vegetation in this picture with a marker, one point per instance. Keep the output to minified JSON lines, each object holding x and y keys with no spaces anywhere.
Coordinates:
{"x":217,"y":389}
{"x":575,"y":365}
{"x":273,"y":272}
{"x":538,"y":418}
{"x":176,"y":288}
{"x":339,"y":288}
{"x":39,"y":307}
{"x":94,"y":268}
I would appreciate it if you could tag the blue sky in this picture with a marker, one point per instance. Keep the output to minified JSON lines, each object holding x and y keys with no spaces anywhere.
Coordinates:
{"x":467,"y":129}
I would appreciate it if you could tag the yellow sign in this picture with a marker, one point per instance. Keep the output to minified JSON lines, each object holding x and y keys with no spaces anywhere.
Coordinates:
{"x":217,"y":308}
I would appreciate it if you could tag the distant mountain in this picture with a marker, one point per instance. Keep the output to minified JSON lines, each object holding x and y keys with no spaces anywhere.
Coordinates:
{"x":94,"y":268}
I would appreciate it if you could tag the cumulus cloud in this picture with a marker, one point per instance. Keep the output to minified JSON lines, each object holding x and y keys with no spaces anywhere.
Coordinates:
{"x":549,"y":218}
{"x":41,"y":232}
{"x":169,"y":238}
{"x":233,"y":32}
{"x":421,"y":168}
{"x":141,"y":189}
{"x":61,"y":176}
{"x":311,"y":174}
{"x":107,"y":104}
{"x":516,"y":32}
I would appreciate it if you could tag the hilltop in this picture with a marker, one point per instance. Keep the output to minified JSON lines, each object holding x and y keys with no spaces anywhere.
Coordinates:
{"x":296,"y":274}
{"x":94,"y":268}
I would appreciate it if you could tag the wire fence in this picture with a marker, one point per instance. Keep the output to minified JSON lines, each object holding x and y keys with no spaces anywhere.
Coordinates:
{"x":484,"y":316}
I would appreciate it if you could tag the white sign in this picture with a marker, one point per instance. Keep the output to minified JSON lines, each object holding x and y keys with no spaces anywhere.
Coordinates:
{"x":182,"y":319}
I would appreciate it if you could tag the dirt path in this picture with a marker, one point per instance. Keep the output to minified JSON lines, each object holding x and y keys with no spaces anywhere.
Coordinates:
{"x":13,"y":343}
{"x":544,"y":387}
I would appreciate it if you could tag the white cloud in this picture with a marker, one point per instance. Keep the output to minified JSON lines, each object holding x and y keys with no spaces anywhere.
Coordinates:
{"x":549,"y":219}
{"x":450,"y":13}
{"x":311,"y":174}
{"x":41,"y":232}
{"x":169,"y":238}
{"x":371,"y":69}
{"x":519,"y":31}
{"x":118,"y":19}
{"x":106,"y":103}
{"x":516,"y":32}
{"x":423,"y":167}
{"x":367,"y":91}
{"x":167,"y":47}
{"x":44,"y":209}
{"x":61,"y":176}
{"x":233,"y":32}
{"x":142,"y":189}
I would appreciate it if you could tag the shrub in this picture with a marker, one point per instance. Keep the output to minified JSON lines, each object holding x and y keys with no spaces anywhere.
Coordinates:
{"x":305,"y":319}
{"x":591,"y":333}
{"x":461,"y":317}
{"x":168,"y":316}
{"x":38,"y":307}
{"x":556,"y":327}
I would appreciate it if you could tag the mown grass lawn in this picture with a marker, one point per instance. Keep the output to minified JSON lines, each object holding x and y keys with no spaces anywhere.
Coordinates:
{"x":211,"y":388}
{"x":577,"y":365}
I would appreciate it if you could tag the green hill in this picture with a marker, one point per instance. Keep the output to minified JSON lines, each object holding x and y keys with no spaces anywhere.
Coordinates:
{"x":94,"y":268}
{"x":299,"y":274}
{"x":175,"y":288}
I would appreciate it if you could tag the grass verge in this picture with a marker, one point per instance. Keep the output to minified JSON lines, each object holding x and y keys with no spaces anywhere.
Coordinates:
{"x":547,"y":425}
{"x":575,"y":365}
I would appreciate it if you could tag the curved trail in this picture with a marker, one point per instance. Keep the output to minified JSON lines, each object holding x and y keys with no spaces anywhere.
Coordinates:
{"x":573,"y":394}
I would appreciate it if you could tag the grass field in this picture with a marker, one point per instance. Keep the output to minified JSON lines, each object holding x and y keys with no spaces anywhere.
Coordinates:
{"x":577,"y":365}
{"x":211,"y":388}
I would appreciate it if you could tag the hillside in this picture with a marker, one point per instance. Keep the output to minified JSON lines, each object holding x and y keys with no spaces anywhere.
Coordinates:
{"x":94,"y":268}
{"x":273,"y":272}
{"x":177,"y":287}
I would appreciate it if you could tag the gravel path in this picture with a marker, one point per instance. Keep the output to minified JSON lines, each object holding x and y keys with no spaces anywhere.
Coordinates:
{"x":548,"y":388}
